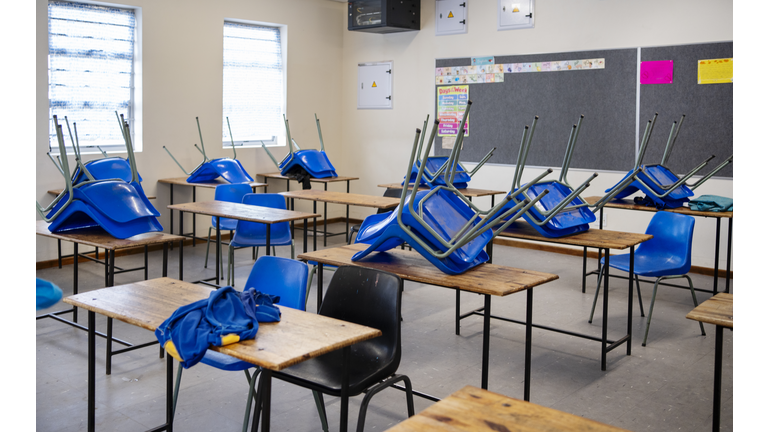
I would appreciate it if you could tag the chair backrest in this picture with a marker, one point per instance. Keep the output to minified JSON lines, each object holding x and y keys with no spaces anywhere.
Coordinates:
{"x":230,"y":193}
{"x":257,"y":229}
{"x":372,"y":298}
{"x":283,"y":277}
{"x":672,"y":237}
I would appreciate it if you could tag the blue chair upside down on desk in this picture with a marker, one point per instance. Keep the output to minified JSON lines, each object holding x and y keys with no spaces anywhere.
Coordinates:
{"x":254,"y":234}
{"x":666,"y":256}
{"x":275,"y":276}
{"x":233,"y":193}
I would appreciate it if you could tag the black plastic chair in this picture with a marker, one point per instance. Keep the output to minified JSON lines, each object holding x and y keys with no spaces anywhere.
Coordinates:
{"x":367,"y":297}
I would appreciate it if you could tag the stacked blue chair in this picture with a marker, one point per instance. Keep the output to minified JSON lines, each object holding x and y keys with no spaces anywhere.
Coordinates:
{"x":662,"y":187}
{"x":666,"y":256}
{"x":254,"y":234}
{"x":437,"y":167}
{"x":304,"y":164}
{"x":118,"y":206}
{"x":209,"y":170}
{"x":562,"y":211}
{"x":275,"y":276}
{"x":441,"y":224}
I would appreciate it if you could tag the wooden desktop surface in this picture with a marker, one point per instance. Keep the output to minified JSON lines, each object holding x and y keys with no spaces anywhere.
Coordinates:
{"x":277,"y":175}
{"x":628,"y":204}
{"x":468,"y":192}
{"x":717,"y":310}
{"x":476,"y":410}
{"x":244,"y":212}
{"x":298,"y":335}
{"x":591,"y":238}
{"x":98,"y":237}
{"x":378,"y":202}
{"x":211,"y":184}
{"x":486,"y":278}
{"x":56,"y":192}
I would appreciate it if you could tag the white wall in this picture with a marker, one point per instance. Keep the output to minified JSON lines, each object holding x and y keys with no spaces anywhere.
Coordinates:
{"x":182,"y":72}
{"x":376,"y":143}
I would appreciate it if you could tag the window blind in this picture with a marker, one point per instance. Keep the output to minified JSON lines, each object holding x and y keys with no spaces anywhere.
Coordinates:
{"x":90,"y":64}
{"x":254,"y":89}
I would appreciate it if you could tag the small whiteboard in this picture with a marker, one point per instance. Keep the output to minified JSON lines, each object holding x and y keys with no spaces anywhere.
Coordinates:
{"x":374,"y":85}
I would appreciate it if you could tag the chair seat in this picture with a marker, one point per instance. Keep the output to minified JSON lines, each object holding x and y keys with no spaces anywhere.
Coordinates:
{"x":654,"y":265}
{"x":280,"y":239}
{"x":224,"y":362}
{"x":325,"y":373}
{"x":226,"y":224}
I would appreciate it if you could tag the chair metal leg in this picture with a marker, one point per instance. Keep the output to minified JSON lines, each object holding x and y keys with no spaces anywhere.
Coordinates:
{"x":321,"y":409}
{"x":639,"y":296}
{"x":176,"y":390}
{"x":251,"y":385}
{"x":293,"y":253}
{"x":597,"y":291}
{"x":207,"y":247}
{"x":379,"y":387}
{"x":650,"y":311}
{"x":309,"y":281}
{"x":695,"y":302}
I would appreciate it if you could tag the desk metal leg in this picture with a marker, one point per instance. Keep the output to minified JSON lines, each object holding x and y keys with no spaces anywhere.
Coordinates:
{"x":325,"y":219}
{"x":718,"y":378}
{"x":181,"y":259}
{"x":269,"y":234}
{"x":630,"y":301}
{"x":347,"y":220}
{"x":91,"y":371}
{"x":218,"y":249}
{"x":194,"y":224}
{"x":172,"y":210}
{"x":314,"y":228}
{"x":458,"y":312}
{"x":146,"y":262}
{"x":59,"y":246}
{"x":717,"y":256}
{"x":604,"y":342}
{"x":486,"y":341}
{"x":584,"y":272}
{"x":74,"y":282}
{"x":345,"y":390}
{"x":169,"y":394}
{"x":319,"y":285}
{"x":266,"y":398}
{"x":728,"y":257}
{"x":306,"y":224}
{"x":528,"y":344}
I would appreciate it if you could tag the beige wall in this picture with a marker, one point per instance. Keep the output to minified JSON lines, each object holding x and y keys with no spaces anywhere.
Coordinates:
{"x":182,"y":79}
{"x":182,"y":74}
{"x":377,"y":143}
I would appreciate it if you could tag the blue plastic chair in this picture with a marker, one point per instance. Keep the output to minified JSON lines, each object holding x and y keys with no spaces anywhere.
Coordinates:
{"x":666,"y":256}
{"x":233,"y":193}
{"x":47,"y":294}
{"x":254,"y":234}
{"x":273,"y":275}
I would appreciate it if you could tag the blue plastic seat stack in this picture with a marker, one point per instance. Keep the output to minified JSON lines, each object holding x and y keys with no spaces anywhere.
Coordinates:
{"x":118,"y":206}
{"x":562,"y":211}
{"x":662,"y":187}
{"x":437,"y":167}
{"x":304,"y":164}
{"x":209,"y":170}
{"x":441,"y":224}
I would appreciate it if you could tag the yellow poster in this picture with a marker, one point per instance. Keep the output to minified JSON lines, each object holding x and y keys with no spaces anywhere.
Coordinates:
{"x":716,"y":71}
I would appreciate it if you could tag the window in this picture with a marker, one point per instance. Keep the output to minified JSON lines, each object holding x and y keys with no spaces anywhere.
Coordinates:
{"x":254,"y":85}
{"x":91,"y":73}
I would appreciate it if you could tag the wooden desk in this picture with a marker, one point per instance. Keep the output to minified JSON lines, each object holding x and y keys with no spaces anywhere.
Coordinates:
{"x":297,"y":337}
{"x":98,"y":238}
{"x":628,"y":204}
{"x":474,"y":410}
{"x":486,"y":279}
{"x":601,"y":239}
{"x":348,"y":199}
{"x":468,"y":192}
{"x":243,"y":212}
{"x":182,"y":181}
{"x":717,"y":310}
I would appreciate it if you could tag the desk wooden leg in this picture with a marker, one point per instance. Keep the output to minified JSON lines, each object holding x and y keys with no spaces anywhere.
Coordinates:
{"x":91,"y":371}
{"x":528,"y":344}
{"x":486,"y":341}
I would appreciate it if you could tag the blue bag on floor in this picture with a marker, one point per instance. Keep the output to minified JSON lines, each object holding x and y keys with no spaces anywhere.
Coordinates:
{"x":225,"y":317}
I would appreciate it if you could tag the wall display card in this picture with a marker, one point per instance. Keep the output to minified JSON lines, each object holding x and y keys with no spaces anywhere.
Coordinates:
{"x":716,"y":71}
{"x":477,"y":61}
{"x":493,"y":73}
{"x":451,"y":104}
{"x":656,"y":72}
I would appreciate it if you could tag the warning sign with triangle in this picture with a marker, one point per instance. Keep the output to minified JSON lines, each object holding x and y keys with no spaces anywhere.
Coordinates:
{"x":374,"y":84}
{"x":516,"y":9}
{"x":450,"y":14}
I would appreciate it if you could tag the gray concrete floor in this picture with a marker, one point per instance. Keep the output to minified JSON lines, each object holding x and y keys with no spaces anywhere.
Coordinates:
{"x":666,"y":385}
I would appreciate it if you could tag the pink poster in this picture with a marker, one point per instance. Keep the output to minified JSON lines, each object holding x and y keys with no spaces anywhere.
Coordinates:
{"x":656,"y":72}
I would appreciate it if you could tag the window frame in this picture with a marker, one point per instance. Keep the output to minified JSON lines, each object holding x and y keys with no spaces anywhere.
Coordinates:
{"x":280,"y":139}
{"x":136,"y":105}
